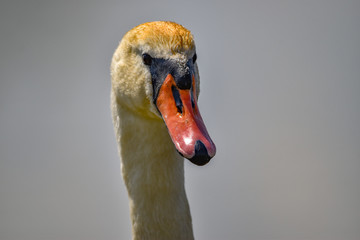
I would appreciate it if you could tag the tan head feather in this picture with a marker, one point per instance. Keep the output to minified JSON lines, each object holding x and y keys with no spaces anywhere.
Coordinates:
{"x":162,"y":36}
{"x":131,"y":80}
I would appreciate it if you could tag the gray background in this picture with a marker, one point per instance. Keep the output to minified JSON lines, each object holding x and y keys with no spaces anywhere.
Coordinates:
{"x":280,"y":97}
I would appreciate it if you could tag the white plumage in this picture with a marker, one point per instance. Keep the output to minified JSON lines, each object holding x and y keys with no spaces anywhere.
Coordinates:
{"x":152,"y":169}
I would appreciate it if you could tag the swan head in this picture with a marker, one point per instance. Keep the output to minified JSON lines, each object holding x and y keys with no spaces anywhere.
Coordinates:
{"x":155,"y":74}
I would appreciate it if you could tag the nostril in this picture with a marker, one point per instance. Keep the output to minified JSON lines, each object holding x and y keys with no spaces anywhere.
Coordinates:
{"x":201,"y":156}
{"x":177,"y":99}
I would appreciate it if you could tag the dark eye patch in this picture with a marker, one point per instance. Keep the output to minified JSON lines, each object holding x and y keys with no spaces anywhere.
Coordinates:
{"x":194,"y":58}
{"x":147,"y":59}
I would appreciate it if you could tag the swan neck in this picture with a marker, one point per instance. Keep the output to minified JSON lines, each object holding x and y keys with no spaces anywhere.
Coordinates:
{"x":153,"y":173}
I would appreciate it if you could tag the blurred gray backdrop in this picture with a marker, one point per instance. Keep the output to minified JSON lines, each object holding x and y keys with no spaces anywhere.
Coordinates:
{"x":280,"y":97}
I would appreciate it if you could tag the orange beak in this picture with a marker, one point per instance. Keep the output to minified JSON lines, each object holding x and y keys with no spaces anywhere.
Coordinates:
{"x":181,"y":114}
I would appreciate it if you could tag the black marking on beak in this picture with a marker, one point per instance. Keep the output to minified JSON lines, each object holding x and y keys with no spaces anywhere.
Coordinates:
{"x":160,"y":68}
{"x":183,"y":82}
{"x":178,"y":102}
{"x":192,"y":98}
{"x":201,"y":156}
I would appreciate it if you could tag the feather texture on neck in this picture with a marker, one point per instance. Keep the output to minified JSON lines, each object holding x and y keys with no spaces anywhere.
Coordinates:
{"x":154,"y":176}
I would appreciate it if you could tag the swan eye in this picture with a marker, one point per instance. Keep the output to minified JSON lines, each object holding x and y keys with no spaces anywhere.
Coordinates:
{"x":194,"y":58}
{"x":147,"y":59}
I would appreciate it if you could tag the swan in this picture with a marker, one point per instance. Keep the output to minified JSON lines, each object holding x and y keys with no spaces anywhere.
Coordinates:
{"x":154,"y":91}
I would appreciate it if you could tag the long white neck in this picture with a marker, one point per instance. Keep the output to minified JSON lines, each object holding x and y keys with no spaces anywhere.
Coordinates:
{"x":154,"y":176}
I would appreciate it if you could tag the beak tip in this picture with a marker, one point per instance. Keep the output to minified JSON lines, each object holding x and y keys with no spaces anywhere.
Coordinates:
{"x":201,"y":156}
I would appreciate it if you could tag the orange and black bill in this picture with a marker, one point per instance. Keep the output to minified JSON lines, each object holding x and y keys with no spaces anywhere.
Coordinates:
{"x":181,"y":114}
{"x":174,"y":92}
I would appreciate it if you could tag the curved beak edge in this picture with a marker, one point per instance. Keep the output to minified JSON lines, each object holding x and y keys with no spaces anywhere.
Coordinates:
{"x":181,"y":115}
